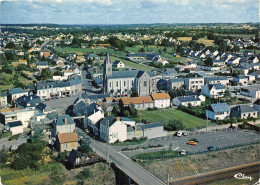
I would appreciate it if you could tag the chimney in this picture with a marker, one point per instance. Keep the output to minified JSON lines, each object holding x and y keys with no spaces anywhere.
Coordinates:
{"x":117,"y":118}
{"x":15,"y":105}
{"x":31,"y":97}
{"x":65,"y":121}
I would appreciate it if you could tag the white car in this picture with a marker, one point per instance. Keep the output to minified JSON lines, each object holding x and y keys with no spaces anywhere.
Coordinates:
{"x":87,"y":131}
{"x":183,"y":152}
{"x":185,"y":133}
{"x":179,"y":133}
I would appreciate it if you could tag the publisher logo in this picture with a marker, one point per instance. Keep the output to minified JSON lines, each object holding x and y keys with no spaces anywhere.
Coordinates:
{"x":242,"y":176}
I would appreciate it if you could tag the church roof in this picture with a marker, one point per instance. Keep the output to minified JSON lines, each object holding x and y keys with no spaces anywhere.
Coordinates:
{"x":123,"y":74}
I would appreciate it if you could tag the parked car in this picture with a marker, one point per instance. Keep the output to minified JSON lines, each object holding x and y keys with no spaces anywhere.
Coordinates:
{"x":211,"y":147}
{"x":183,"y":152}
{"x":179,"y":133}
{"x":192,"y":143}
{"x":87,"y":131}
{"x":185,"y":133}
{"x":195,"y":140}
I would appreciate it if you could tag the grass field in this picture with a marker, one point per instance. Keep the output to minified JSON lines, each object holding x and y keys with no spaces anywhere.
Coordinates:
{"x":80,"y":51}
{"x":174,"y":59}
{"x":257,"y":51}
{"x":189,"y":121}
{"x":185,"y":39}
{"x":131,"y":64}
{"x":206,"y":41}
{"x":150,"y":48}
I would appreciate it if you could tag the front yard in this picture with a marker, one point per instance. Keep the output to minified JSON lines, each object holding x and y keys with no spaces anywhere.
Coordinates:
{"x":189,"y":121}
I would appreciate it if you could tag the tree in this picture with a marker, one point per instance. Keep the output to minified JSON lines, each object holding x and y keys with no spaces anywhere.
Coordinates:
{"x":57,"y":73}
{"x":165,"y":50}
{"x":37,"y":135}
{"x":4,"y":155}
{"x":45,"y":74}
{"x":174,"y":124}
{"x":133,"y":111}
{"x":172,"y":94}
{"x":116,"y":110}
{"x":10,"y":45}
{"x":179,"y":49}
{"x":141,"y":50}
{"x":134,"y":93}
{"x":84,"y":147}
{"x":208,"y":62}
{"x":227,"y":93}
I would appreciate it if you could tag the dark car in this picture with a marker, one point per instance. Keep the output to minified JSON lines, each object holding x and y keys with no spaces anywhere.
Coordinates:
{"x":195,"y":140}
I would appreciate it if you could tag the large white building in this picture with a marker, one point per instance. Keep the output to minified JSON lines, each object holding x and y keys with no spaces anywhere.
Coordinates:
{"x":194,"y":83}
{"x":213,"y":90}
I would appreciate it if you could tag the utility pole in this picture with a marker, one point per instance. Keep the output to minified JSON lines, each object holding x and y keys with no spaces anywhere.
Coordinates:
{"x":168,"y":178}
{"x":207,"y":120}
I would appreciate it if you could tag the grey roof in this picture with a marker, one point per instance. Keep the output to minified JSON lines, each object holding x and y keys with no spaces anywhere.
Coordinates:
{"x":116,"y":62}
{"x":17,"y":91}
{"x":174,"y":80}
{"x":109,"y":119}
{"x":257,"y":102}
{"x":170,"y":71}
{"x":241,"y":77}
{"x":188,"y":98}
{"x":14,"y":124}
{"x":60,"y":120}
{"x":51,"y":115}
{"x":219,"y":107}
{"x":98,"y":96}
{"x":28,"y":101}
{"x":2,"y":94}
{"x":41,"y":63}
{"x":216,"y":78}
{"x":243,"y":109}
{"x":217,"y":86}
{"x":123,"y":74}
{"x":43,"y":107}
{"x":126,"y":119}
{"x":140,"y":73}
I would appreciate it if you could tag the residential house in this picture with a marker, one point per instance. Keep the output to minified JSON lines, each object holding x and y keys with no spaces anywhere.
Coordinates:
{"x":113,"y":129}
{"x":140,"y":103}
{"x":256,"y":106}
{"x":46,"y":131}
{"x":175,"y":83}
{"x":3,"y":99}
{"x":92,"y":56}
{"x":187,"y":101}
{"x":45,"y":53}
{"x":67,"y":142}
{"x":240,"y":80}
{"x":194,"y":83}
{"x":17,"y":114}
{"x":22,"y":62}
{"x":215,"y":80}
{"x":15,"y":127}
{"x":161,"y":100}
{"x":218,"y":111}
{"x":45,"y":109}
{"x":253,"y":59}
{"x":234,"y":61}
{"x":252,"y":91}
{"x":63,"y":124}
{"x":118,"y":64}
{"x":213,"y":90}
{"x":16,"y":93}
{"x":244,"y":112}
{"x":41,"y":65}
{"x":30,"y":101}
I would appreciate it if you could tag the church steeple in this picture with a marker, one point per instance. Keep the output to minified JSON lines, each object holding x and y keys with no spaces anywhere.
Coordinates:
{"x":106,"y":72}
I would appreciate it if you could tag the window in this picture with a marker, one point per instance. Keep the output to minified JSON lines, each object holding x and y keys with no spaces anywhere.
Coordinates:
{"x":110,"y":84}
{"x":72,"y":144}
{"x":145,"y":83}
{"x":124,"y":83}
{"x":116,"y":83}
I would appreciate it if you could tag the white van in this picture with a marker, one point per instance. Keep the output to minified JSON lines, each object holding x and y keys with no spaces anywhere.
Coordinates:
{"x":179,"y":133}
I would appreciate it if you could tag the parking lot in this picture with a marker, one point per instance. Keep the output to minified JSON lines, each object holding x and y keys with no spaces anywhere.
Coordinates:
{"x":224,"y":138}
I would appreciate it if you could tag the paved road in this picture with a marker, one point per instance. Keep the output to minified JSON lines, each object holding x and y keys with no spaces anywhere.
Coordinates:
{"x":220,"y":139}
{"x":132,"y":169}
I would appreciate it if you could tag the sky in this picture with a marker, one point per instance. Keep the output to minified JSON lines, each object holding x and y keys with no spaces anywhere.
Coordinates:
{"x":128,"y":11}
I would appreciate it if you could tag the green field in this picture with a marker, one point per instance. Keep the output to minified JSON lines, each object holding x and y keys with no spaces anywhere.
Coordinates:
{"x":174,"y":59}
{"x":150,"y":48}
{"x":80,"y":51}
{"x":132,"y":64}
{"x":189,"y":121}
{"x":257,"y":51}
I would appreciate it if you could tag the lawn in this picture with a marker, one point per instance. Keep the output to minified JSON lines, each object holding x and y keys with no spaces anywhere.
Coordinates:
{"x":206,"y":41}
{"x":185,"y":39}
{"x":174,"y":59}
{"x":133,"y":142}
{"x":132,"y":64}
{"x":150,"y":48}
{"x":80,"y":51}
{"x":153,"y":116}
{"x":257,"y":51}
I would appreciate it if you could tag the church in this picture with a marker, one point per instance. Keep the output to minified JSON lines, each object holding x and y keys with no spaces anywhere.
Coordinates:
{"x":122,"y":82}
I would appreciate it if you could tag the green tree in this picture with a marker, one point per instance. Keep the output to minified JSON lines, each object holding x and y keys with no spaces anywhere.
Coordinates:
{"x":134,"y":93}
{"x":4,"y":155}
{"x":174,"y":124}
{"x":227,"y":93}
{"x":133,"y":111}
{"x":45,"y":74}
{"x":208,"y":62}
{"x":116,"y":110}
{"x":84,"y":147}
{"x":172,"y":93}
{"x":141,"y":50}
{"x":36,"y":136}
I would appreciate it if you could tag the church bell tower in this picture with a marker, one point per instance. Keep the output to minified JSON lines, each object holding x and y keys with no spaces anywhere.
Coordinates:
{"x":106,"y":72}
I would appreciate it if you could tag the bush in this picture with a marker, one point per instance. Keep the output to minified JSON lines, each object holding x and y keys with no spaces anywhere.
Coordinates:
{"x":174,"y":124}
{"x":62,"y":156}
{"x":84,"y":174}
{"x":14,"y":137}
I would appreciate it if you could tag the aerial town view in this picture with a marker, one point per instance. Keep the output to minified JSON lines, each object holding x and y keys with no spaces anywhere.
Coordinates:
{"x":129,"y":92}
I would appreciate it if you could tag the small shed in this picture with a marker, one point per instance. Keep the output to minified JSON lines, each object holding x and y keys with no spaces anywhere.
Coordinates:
{"x":16,"y":127}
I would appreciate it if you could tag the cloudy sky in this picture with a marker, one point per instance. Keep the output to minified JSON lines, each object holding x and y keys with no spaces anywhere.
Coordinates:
{"x":128,"y":11}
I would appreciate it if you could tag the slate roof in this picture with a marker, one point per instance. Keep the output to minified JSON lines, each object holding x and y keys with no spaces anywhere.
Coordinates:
{"x":43,"y":107}
{"x":217,"y":86}
{"x":175,"y":80}
{"x":41,"y":63}
{"x":257,"y":102}
{"x":60,"y":120}
{"x":2,"y":94}
{"x":32,"y":100}
{"x":216,"y":78}
{"x":109,"y":119}
{"x":123,"y":74}
{"x":243,"y":109}
{"x":219,"y":107}
{"x":51,"y":115}
{"x":117,"y":62}
{"x":98,"y":96}
{"x":188,"y":99}
{"x":140,"y":73}
{"x":14,"y":124}
{"x":241,"y":77}
{"x":126,"y":119}
{"x":17,"y":91}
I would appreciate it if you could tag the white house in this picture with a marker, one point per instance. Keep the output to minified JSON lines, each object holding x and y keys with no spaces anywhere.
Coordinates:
{"x":175,"y":83}
{"x":253,"y":91}
{"x":186,"y":101}
{"x":16,"y":93}
{"x":256,"y":105}
{"x":240,"y":80}
{"x":118,"y":64}
{"x":112,"y":129}
{"x":194,"y":83}
{"x":215,"y":80}
{"x":213,"y":90}
{"x":161,"y":100}
{"x":3,"y":99}
{"x":218,"y":111}
{"x":15,"y":127}
{"x":244,"y":112}
{"x":63,"y":124}
{"x":17,"y":114}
